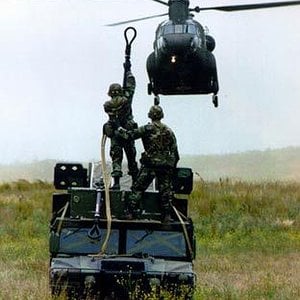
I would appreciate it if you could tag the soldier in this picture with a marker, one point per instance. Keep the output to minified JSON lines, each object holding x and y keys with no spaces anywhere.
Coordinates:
{"x":158,"y":160}
{"x":119,"y":110}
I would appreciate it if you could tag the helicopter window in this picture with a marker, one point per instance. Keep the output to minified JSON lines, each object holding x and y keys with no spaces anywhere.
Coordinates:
{"x":159,"y":32}
{"x":169,"y":29}
{"x":180,"y":28}
{"x":192,"y":29}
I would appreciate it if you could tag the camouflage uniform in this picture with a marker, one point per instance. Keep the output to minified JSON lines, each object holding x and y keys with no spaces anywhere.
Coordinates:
{"x":159,"y":160}
{"x":120,"y":114}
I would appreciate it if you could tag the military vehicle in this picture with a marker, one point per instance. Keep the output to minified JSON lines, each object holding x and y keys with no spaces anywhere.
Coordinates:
{"x":97,"y":254}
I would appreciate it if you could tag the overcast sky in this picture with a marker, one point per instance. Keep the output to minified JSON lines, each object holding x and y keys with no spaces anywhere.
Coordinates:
{"x":57,"y":60}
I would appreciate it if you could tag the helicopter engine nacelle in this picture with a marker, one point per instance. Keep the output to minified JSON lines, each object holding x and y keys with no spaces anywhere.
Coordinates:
{"x":210,"y":43}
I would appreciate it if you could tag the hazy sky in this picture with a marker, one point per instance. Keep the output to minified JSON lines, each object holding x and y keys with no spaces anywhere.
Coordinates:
{"x":57,"y":60}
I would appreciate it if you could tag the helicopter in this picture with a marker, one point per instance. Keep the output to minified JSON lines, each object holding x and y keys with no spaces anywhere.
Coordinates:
{"x":182,"y":62}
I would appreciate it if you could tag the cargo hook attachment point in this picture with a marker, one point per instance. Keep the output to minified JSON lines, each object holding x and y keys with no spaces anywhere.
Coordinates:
{"x":129,"y":42}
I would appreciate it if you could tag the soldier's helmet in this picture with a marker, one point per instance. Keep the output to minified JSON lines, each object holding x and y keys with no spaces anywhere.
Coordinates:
{"x":155,"y":113}
{"x":115,"y":89}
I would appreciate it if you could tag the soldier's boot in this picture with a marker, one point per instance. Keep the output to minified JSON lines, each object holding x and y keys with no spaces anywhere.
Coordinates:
{"x":133,"y":207}
{"x":116,"y":185}
{"x":166,"y":214}
{"x":166,"y":219}
{"x":128,"y":215}
{"x":130,"y":212}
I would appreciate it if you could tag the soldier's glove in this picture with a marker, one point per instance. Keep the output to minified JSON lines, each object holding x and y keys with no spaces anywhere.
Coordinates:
{"x":108,"y":129}
{"x":122,"y":133}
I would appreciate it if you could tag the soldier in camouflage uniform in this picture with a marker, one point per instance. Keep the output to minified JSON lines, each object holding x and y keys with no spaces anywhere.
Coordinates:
{"x":158,"y":160}
{"x":119,"y":110}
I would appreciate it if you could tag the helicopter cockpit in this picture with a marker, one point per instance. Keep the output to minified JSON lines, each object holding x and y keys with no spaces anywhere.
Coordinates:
{"x":182,"y":62}
{"x":178,"y":28}
{"x":175,"y":38}
{"x":188,"y":27}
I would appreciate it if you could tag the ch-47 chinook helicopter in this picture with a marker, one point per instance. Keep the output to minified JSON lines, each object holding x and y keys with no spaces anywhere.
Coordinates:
{"x":182,"y":62}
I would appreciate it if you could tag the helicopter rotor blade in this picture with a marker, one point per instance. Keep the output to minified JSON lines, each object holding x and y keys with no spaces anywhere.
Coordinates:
{"x":241,"y":7}
{"x":161,"y":2}
{"x":136,"y":20}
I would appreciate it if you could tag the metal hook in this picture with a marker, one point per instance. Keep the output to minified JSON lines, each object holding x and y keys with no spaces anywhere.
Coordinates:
{"x":95,"y":232}
{"x":127,"y":64}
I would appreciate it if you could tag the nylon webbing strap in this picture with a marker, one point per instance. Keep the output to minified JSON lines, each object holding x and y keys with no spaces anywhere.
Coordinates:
{"x":184,"y":230}
{"x":65,"y":208}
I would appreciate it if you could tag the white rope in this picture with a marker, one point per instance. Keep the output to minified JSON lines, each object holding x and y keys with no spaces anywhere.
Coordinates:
{"x":106,"y":180}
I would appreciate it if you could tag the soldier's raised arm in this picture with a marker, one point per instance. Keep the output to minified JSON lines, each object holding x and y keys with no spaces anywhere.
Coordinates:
{"x":129,"y":87}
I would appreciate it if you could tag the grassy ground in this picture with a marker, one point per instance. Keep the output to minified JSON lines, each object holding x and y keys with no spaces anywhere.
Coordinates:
{"x":248,"y":239}
{"x":24,"y":215}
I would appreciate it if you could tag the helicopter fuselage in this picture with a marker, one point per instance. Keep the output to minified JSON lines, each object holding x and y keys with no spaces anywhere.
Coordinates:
{"x":181,"y":62}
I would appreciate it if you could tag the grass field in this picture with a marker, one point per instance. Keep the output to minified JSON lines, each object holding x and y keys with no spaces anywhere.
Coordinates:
{"x":248,"y":240}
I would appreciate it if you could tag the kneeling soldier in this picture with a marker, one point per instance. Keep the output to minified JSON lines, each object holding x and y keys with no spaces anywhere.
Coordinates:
{"x":158,"y":160}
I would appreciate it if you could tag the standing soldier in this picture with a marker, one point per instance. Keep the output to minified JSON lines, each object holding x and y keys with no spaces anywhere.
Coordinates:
{"x":158,"y":160}
{"x":119,"y":110}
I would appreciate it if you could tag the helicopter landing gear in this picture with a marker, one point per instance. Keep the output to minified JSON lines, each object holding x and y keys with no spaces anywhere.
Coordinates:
{"x":152,"y":89}
{"x":215,"y":100}
{"x":149,"y":88}
{"x":156,"y":100}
